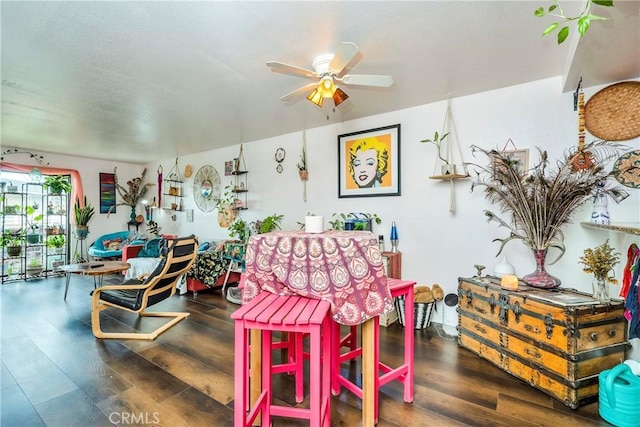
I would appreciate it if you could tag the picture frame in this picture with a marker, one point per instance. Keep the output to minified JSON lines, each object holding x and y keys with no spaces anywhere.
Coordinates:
{"x":521,"y":155}
{"x":107,"y":183}
{"x":228,"y":167}
{"x":189,"y":215}
{"x":379,"y":176}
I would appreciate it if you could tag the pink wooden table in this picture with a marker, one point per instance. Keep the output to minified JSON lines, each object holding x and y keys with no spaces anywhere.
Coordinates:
{"x":342,"y":267}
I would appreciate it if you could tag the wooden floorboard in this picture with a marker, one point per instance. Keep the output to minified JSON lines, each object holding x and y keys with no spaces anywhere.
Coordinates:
{"x":55,"y":373}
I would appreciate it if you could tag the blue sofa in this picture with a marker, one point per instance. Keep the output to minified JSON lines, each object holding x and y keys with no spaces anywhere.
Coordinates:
{"x":110,"y":245}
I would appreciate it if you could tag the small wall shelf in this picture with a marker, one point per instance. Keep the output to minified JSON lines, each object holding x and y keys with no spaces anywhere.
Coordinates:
{"x":450,"y":176}
{"x":240,"y":185}
{"x":622,"y":227}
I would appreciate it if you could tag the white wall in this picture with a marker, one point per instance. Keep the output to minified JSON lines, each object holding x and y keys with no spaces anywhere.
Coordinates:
{"x":438,"y":246}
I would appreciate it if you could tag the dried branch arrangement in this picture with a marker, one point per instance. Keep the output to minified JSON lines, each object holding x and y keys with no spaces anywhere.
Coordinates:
{"x":541,"y":200}
{"x":135,"y":192}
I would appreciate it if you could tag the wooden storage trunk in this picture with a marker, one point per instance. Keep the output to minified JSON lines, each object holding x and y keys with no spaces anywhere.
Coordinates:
{"x":556,"y":340}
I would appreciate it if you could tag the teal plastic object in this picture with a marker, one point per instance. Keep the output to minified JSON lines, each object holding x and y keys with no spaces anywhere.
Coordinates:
{"x":619,"y":394}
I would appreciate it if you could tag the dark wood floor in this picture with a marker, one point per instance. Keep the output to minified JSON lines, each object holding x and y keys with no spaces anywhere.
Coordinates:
{"x":55,"y":373}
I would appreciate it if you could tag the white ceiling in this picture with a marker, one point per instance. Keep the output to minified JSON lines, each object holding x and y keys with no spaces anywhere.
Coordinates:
{"x":131,"y":81}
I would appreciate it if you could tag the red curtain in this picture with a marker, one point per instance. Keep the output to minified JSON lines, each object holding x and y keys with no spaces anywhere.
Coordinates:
{"x":76,"y":182}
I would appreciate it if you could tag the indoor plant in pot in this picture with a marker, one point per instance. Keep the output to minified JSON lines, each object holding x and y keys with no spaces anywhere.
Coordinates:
{"x":56,"y":184}
{"x":13,"y":241}
{"x":83,"y":215}
{"x":34,"y":234}
{"x":542,"y":200}
{"x":447,"y":167}
{"x":56,"y":243}
{"x":34,"y":267}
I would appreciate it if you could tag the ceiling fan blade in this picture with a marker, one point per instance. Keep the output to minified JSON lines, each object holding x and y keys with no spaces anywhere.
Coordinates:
{"x":281,"y":67}
{"x":345,"y":53}
{"x":298,"y":92}
{"x":367,"y":80}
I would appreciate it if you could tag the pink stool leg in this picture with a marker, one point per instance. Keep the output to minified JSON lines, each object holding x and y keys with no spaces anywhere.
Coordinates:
{"x":241,"y":367}
{"x":409,"y":334}
{"x":335,"y":357}
{"x":266,"y":376}
{"x":299,"y":364}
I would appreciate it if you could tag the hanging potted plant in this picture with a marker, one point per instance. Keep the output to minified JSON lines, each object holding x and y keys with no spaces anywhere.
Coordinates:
{"x":82,"y":216}
{"x":57,"y":184}
{"x":226,"y":207}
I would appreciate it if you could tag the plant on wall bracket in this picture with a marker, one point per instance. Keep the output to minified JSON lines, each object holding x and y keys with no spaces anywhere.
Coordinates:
{"x":583,"y":20}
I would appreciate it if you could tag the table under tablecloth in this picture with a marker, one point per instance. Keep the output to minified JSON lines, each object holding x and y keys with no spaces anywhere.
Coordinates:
{"x":342,"y":267}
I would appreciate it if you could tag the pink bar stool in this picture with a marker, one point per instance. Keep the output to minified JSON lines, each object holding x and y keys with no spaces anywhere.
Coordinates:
{"x":296,"y":315}
{"x":402,"y":373}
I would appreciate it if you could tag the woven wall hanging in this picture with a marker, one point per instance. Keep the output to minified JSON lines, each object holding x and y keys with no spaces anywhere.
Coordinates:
{"x":613,"y":113}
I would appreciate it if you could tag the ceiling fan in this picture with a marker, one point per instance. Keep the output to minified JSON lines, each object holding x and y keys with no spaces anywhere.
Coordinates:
{"x":327,"y":72}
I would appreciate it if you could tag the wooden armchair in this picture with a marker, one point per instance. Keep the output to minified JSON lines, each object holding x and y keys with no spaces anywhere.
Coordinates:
{"x":136,"y":296}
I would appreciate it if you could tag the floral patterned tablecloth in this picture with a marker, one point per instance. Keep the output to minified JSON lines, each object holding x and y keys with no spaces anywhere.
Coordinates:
{"x":342,"y":267}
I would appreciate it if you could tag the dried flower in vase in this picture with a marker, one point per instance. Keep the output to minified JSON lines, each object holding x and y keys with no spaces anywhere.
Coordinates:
{"x":600,"y":261}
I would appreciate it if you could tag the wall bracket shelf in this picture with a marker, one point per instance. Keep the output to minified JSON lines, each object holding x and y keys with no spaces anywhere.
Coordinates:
{"x":622,"y":227}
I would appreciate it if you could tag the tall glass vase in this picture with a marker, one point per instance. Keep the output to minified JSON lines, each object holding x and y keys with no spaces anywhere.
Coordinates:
{"x":132,"y":215}
{"x":601,"y":290}
{"x":540,"y":278}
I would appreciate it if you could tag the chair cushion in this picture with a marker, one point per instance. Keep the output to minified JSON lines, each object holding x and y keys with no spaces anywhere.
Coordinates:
{"x":151,"y":249}
{"x":123,"y":297}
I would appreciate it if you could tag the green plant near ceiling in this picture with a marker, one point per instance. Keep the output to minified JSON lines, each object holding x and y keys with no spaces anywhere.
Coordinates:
{"x":582,"y":21}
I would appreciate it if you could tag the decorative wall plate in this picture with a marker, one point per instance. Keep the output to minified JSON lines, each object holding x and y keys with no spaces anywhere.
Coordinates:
{"x":188,"y":171}
{"x":206,"y":188}
{"x":627,"y":169}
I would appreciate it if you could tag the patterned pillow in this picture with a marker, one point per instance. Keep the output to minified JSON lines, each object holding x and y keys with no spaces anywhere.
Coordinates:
{"x":112,"y":245}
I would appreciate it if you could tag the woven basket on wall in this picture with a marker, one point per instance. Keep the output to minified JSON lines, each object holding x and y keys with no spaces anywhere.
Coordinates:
{"x":613,"y":113}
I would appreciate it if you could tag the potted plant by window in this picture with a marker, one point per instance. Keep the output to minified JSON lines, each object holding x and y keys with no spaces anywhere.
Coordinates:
{"x":34,"y":232}
{"x":13,"y":241}
{"x":83,"y":214}
{"x":56,"y":184}
{"x":56,"y":243}
{"x":34,"y":267}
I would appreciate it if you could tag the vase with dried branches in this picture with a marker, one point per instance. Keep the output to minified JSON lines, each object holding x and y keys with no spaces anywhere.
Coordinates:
{"x":542,"y":200}
{"x":133,"y":194}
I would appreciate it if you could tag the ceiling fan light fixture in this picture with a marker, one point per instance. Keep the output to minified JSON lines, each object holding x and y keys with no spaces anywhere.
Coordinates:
{"x":327,"y":87}
{"x":316,"y":97}
{"x":339,"y":96}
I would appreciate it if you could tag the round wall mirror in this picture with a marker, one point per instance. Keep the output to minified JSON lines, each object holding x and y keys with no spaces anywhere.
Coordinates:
{"x":206,"y":188}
